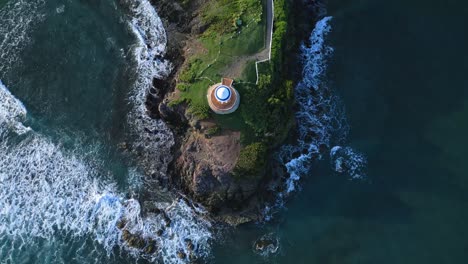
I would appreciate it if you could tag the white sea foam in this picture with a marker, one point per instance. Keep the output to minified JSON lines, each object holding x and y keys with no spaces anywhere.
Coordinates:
{"x":321,"y":117}
{"x":45,"y":192}
{"x":347,"y":161}
{"x":152,"y":138}
{"x":267,"y":245}
{"x":12,"y":112}
{"x":316,"y":56}
{"x":16,"y":20}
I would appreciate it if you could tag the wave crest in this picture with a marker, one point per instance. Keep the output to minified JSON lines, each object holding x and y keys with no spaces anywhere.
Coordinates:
{"x":152,"y":138}
{"x":45,"y":192}
{"x":321,"y":119}
{"x":12,"y":112}
{"x":17,"y":18}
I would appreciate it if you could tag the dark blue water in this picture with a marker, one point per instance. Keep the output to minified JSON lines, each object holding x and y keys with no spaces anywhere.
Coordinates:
{"x":397,"y":68}
{"x":73,"y":78}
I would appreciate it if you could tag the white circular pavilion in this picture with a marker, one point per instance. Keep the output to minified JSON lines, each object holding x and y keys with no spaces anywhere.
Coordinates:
{"x":223,"y":98}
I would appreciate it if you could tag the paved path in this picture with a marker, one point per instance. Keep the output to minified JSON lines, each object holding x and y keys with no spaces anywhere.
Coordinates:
{"x":236,"y":68}
{"x":266,"y":53}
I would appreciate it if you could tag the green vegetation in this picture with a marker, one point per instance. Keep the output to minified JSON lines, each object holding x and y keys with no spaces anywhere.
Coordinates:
{"x":264,"y":117}
{"x":213,"y":131}
{"x":249,"y":74}
{"x":251,"y":161}
{"x":237,"y":28}
{"x":267,"y":106}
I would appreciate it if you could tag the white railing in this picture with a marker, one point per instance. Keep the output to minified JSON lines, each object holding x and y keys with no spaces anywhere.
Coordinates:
{"x":271,"y":38}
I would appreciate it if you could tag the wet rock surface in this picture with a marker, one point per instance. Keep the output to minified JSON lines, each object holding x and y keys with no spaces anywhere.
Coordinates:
{"x":203,"y":164}
{"x":266,"y":245}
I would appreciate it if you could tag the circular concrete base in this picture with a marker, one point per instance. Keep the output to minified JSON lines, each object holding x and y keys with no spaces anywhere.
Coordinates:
{"x":232,"y":107}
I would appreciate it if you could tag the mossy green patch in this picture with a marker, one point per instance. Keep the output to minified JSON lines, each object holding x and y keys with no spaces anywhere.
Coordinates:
{"x":252,"y":161}
{"x":249,"y":74}
{"x":224,"y":41}
{"x":264,"y":116}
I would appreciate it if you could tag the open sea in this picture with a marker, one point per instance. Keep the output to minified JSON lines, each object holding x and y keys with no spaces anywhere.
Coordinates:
{"x":377,"y":174}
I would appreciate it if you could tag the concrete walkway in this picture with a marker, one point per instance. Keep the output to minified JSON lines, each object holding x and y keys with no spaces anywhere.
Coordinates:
{"x":236,"y":68}
{"x":265,"y":54}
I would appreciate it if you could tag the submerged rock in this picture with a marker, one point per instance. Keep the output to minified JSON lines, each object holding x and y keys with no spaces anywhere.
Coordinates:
{"x":181,"y":254}
{"x":266,"y":245}
{"x":160,"y":232}
{"x":167,"y":220}
{"x":137,"y":241}
{"x":121,"y":224}
{"x":151,"y":247}
{"x":189,"y":244}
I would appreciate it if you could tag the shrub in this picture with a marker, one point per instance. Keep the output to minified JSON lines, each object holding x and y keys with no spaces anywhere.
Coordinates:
{"x":177,"y":101}
{"x":252,"y":161}
{"x":189,"y":74}
{"x":213,"y":131}
{"x":201,"y":111}
{"x":183,"y":87}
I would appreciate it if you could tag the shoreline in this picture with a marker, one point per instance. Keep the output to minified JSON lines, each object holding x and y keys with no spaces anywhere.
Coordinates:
{"x":183,"y":26}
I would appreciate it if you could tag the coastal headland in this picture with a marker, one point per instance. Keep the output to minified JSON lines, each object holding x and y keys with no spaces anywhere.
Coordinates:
{"x":227,"y":162}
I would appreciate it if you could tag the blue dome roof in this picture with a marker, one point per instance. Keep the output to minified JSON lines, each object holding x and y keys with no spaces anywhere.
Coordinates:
{"x":223,"y":93}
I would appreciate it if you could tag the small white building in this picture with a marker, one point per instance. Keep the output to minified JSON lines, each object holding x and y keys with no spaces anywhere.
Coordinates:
{"x":223,"y":98}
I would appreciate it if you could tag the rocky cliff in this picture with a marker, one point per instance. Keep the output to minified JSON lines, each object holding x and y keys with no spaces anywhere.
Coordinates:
{"x":204,"y":158}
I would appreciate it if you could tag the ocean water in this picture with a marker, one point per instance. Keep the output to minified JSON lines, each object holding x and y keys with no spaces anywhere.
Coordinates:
{"x":391,"y":185}
{"x":74,"y":75}
{"x":377,"y":174}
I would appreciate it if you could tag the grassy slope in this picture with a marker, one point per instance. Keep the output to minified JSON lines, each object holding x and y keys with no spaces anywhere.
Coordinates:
{"x":223,"y":41}
{"x":264,"y":116}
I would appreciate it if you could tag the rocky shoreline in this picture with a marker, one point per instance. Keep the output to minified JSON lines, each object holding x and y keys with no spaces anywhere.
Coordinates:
{"x":203,"y":164}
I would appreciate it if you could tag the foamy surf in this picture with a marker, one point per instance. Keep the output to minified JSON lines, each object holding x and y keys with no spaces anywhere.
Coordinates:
{"x":52,"y":194}
{"x":152,"y":138}
{"x":17,"y":18}
{"x":346,"y":160}
{"x":321,"y":120}
{"x":12,"y":112}
{"x":46,"y":192}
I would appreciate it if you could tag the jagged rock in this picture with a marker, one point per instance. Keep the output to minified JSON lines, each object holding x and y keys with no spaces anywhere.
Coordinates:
{"x":171,"y":115}
{"x":190,"y":245}
{"x":151,"y":247}
{"x":166,"y":219}
{"x":206,"y":165}
{"x":154,"y":210}
{"x":126,"y":235}
{"x":121,"y":224}
{"x":181,"y":254}
{"x":160,"y":232}
{"x":193,"y":258}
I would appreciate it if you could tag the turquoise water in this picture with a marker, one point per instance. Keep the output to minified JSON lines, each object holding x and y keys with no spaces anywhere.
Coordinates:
{"x":393,"y":109}
{"x":74,"y":76}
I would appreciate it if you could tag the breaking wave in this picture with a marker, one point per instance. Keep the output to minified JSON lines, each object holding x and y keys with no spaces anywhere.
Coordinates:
{"x":321,"y":117}
{"x":45,"y":192}
{"x":347,"y":160}
{"x":151,"y":137}
{"x":15,"y":28}
{"x":12,"y":111}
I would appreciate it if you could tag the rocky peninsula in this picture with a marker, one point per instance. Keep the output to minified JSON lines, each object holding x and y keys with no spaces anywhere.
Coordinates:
{"x":227,"y":162}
